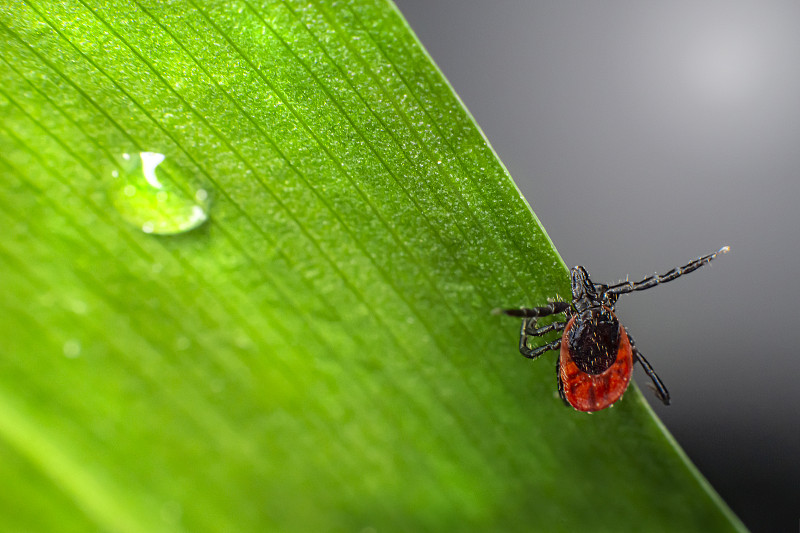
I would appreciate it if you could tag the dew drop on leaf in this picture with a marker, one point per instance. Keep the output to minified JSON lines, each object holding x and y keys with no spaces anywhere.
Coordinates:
{"x":156,"y":197}
{"x":72,"y":348}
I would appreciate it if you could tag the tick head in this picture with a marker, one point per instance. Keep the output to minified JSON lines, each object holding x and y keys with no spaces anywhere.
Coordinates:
{"x":582,"y":286}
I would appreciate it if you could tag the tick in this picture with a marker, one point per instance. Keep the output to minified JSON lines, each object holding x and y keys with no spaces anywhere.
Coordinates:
{"x":596,"y":354}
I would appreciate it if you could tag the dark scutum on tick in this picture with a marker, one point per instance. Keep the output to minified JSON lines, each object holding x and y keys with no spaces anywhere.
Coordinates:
{"x":596,"y":353}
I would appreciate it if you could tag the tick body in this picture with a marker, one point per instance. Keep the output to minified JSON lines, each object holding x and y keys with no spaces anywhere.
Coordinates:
{"x":596,"y":354}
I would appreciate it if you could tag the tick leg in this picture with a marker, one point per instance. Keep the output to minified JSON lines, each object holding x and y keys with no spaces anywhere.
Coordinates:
{"x":533,"y":353}
{"x":613,"y":291}
{"x":532,"y":331}
{"x":660,"y":390}
{"x":561,"y":383}
{"x":536,"y":312}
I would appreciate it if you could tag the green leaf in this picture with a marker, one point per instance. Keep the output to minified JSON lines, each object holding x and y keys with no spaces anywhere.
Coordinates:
{"x":318,"y":355}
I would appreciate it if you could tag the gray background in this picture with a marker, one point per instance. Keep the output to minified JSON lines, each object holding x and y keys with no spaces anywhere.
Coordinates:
{"x":646,"y":134}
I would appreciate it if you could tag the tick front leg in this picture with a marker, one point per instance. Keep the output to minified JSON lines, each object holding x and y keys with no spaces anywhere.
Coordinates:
{"x":536,"y":312}
{"x":660,"y":389}
{"x":612,"y":292}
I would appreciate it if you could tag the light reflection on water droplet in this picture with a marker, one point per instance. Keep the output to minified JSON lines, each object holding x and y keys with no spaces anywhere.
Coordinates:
{"x":155,"y":197}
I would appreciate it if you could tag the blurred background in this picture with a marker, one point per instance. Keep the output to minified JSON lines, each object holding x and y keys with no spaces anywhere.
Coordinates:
{"x":646,"y":134}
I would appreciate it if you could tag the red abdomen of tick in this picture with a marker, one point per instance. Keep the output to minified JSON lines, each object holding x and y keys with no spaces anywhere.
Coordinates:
{"x":592,"y":392}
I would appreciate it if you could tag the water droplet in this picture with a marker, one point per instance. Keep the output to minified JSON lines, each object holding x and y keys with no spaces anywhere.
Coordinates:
{"x":72,"y":348}
{"x":171,"y":512}
{"x":155,"y":196}
{"x":183,"y":343}
{"x":79,"y":307}
{"x":217,"y":385}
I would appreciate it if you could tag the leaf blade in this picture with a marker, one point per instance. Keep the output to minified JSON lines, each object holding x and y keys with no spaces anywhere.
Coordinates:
{"x":326,"y":337}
